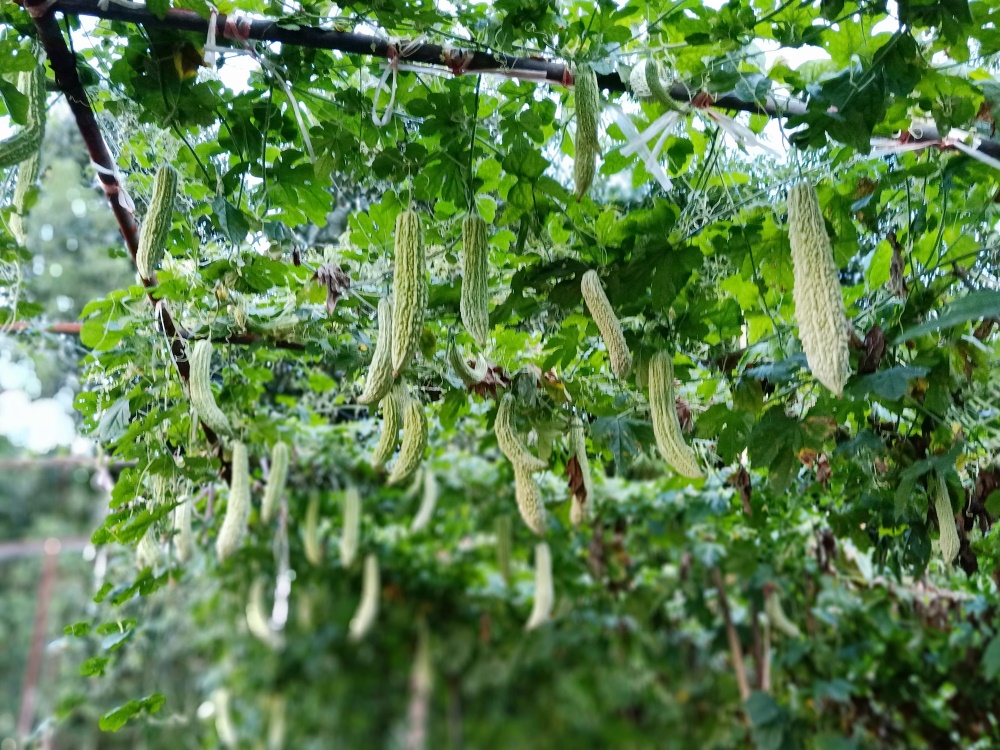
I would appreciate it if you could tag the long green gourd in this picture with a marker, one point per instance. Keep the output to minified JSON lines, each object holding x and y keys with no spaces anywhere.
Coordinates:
{"x":26,"y":140}
{"x":200,"y":388}
{"x":234,"y":524}
{"x":411,"y":450}
{"x":819,"y":303}
{"x":607,"y":323}
{"x":410,"y":291}
{"x":280,"y":456}
{"x":586,"y":148}
{"x":474,"y":305}
{"x":27,"y":176}
{"x":156,"y":224}
{"x":379,"y":379}
{"x":666,"y":426}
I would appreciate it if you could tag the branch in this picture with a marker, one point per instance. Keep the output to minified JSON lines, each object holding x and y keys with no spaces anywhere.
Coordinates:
{"x":238,"y":339}
{"x":734,"y":640}
{"x":458,"y":61}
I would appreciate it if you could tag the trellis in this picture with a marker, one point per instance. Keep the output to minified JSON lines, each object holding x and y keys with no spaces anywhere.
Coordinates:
{"x":238,"y":29}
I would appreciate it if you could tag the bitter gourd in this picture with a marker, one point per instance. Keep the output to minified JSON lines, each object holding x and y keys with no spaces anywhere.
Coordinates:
{"x":666,"y":426}
{"x":410,"y":290}
{"x":156,"y":225}
{"x":607,"y":323}
{"x":474,"y":304}
{"x":379,"y":379}
{"x":234,"y":524}
{"x":819,"y":304}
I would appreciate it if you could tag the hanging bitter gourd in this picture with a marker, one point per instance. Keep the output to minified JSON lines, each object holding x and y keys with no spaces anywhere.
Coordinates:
{"x":183,"y":535}
{"x":541,"y":610}
{"x":258,"y":621}
{"x":414,"y":444}
{"x":311,"y":541}
{"x":410,"y":290}
{"x":200,"y":388}
{"x":234,"y":525}
{"x":530,"y":505}
{"x":819,"y":304}
{"x":949,"y":541}
{"x":26,"y":140}
{"x":276,"y":479}
{"x":379,"y":379}
{"x":367,"y":610}
{"x":468,"y":375}
{"x":156,"y":225}
{"x":351,"y":534}
{"x":393,"y":406}
{"x":583,"y":500}
{"x":776,"y":615}
{"x":510,"y":444}
{"x":474,"y":304}
{"x":607,"y":323}
{"x":27,"y":176}
{"x":428,"y":501}
{"x":587,"y":147}
{"x":666,"y":426}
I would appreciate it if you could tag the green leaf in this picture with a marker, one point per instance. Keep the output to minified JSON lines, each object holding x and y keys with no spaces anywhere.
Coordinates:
{"x":231,"y":220}
{"x":94,"y":667}
{"x":15,"y":101}
{"x":622,"y":436}
{"x":975,"y":305}
{"x":993,"y":503}
{"x":116,"y":718}
{"x":991,"y":658}
{"x":77,"y":629}
{"x":890,"y":384}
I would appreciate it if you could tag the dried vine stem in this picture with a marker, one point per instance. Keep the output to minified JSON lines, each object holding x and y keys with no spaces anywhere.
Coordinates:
{"x":735,"y":649}
{"x":459,"y":61}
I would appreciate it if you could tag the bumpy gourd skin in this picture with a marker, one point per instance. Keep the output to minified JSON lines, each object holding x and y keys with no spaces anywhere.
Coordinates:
{"x":393,"y":406}
{"x":541,"y":610}
{"x":529,"y":500}
{"x":156,"y":225}
{"x":949,"y":541}
{"x":410,"y":291}
{"x":275,"y":481}
{"x":475,"y":279}
{"x":507,"y":439}
{"x":607,"y":323}
{"x":234,"y":525}
{"x":411,"y":451}
{"x":819,"y":304}
{"x":202,"y":399}
{"x":16,"y":148}
{"x":586,"y":148}
{"x":379,"y":379}
{"x":666,"y":426}
{"x":581,"y":505}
